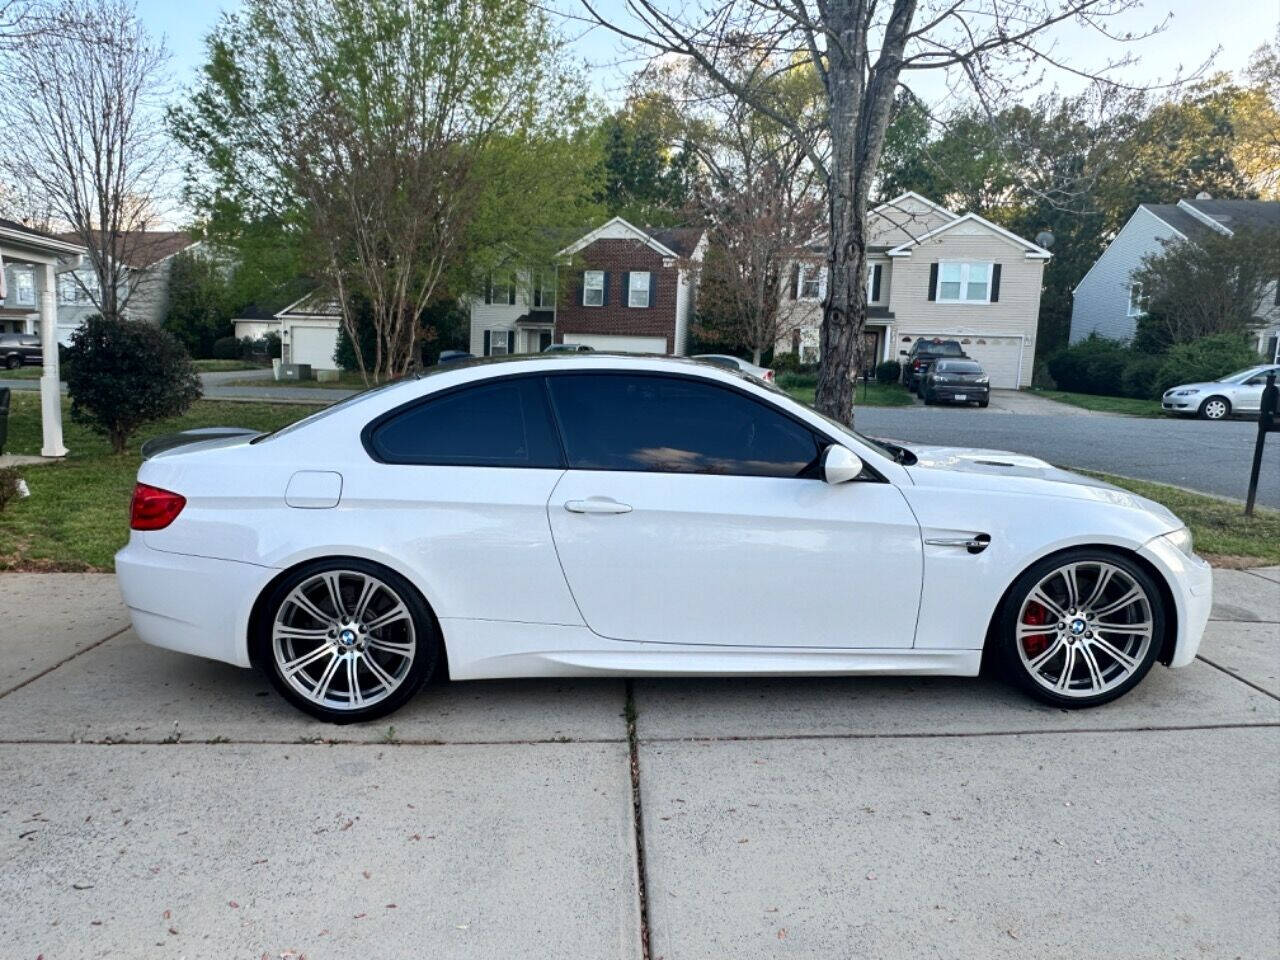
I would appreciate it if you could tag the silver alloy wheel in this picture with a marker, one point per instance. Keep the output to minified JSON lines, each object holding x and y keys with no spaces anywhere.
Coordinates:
{"x":1215,"y":408}
{"x":343,"y":639}
{"x":1085,"y":628}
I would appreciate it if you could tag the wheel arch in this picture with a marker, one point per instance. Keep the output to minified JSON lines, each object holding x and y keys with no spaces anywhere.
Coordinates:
{"x":1168,"y":642}
{"x":1216,"y":396}
{"x":258,"y":611}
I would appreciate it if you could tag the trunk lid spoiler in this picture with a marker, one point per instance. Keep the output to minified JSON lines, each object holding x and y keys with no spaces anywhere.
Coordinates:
{"x":169,"y":442}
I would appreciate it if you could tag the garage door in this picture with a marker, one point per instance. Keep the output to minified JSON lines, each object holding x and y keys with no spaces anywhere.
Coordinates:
{"x":999,"y":356}
{"x":314,"y":345}
{"x":619,"y":344}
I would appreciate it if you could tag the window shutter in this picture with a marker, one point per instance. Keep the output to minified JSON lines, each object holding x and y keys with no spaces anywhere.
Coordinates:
{"x":793,"y":292}
{"x":1278,"y":291}
{"x":511,"y":290}
{"x":626,"y":289}
{"x":511,"y":341}
{"x":582,"y":288}
{"x":487,"y":335}
{"x":488,"y":291}
{"x":875,"y":282}
{"x":995,"y":283}
{"x":653,"y":284}
{"x":604,"y":300}
{"x":933,"y":281}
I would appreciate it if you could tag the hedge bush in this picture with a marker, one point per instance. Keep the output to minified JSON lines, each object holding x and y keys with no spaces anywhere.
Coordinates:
{"x":1141,"y":378}
{"x":1095,"y":365}
{"x":124,"y":373}
{"x":1205,"y":359}
{"x":226,"y":348}
{"x":888,"y":372}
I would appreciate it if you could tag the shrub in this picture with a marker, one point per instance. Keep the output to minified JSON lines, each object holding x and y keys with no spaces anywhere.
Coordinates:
{"x":888,"y":372}
{"x":124,"y":373}
{"x":1205,"y":359}
{"x":274,"y":346}
{"x":226,"y":348}
{"x":1094,"y":365}
{"x":1141,"y":376}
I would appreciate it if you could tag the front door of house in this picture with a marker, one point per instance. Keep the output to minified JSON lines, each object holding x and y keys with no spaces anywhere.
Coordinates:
{"x":871,"y":340}
{"x":544,"y":340}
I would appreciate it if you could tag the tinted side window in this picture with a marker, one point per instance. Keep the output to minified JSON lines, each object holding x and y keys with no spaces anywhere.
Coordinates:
{"x":502,"y":424}
{"x":675,"y":425}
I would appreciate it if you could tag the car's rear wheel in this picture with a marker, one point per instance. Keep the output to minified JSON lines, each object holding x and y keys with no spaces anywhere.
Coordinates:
{"x":1082,"y":628}
{"x":347,"y":640}
{"x":1215,"y":408}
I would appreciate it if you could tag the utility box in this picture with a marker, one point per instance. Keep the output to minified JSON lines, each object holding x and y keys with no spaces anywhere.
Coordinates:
{"x":4,"y":417}
{"x":295,"y":371}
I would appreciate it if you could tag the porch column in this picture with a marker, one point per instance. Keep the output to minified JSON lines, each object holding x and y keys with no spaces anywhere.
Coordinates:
{"x":50,"y":395}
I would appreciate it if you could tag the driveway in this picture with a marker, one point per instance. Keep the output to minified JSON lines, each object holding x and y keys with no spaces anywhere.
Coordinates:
{"x":161,"y":805}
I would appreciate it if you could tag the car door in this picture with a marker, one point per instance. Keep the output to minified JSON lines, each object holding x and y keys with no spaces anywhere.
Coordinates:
{"x":692,"y":513}
{"x":457,"y":487}
{"x":1247,"y":397}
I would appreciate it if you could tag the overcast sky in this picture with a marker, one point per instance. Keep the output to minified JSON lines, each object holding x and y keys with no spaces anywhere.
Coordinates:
{"x":1197,"y":28}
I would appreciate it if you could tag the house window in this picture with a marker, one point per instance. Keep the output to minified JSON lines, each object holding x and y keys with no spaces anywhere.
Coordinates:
{"x":809,"y":282}
{"x":544,"y":291}
{"x":24,"y":287}
{"x":498,"y":343}
{"x":638,"y":289}
{"x":1137,"y":302}
{"x":593,"y":288}
{"x":964,"y":282}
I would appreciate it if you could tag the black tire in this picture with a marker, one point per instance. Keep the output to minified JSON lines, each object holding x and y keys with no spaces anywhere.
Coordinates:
{"x":1008,"y":619}
{"x":427,"y":654}
{"x":984,"y":403}
{"x":1209,"y":410}
{"x":928,"y":398}
{"x":13,"y":363}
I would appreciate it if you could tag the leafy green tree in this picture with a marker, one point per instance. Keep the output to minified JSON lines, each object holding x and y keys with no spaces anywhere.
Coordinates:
{"x":199,"y":307}
{"x":648,"y":169}
{"x":396,"y":144}
{"x":1217,"y":284}
{"x":124,"y":373}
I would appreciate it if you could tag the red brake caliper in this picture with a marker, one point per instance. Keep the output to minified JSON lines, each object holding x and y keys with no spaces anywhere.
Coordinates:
{"x":1036,"y":643}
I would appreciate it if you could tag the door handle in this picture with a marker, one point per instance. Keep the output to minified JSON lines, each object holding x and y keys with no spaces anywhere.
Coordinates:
{"x":597,"y":505}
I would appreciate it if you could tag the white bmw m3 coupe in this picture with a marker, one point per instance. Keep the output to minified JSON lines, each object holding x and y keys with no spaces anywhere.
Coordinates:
{"x":573,"y":515}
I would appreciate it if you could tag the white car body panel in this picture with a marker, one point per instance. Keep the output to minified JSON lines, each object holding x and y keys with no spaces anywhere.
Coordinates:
{"x":834,"y":579}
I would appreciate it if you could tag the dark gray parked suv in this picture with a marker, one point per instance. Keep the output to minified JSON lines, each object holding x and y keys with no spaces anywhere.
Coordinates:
{"x":19,"y":348}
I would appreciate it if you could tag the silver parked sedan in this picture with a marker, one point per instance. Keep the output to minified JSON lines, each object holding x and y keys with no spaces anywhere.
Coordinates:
{"x":1239,"y":393}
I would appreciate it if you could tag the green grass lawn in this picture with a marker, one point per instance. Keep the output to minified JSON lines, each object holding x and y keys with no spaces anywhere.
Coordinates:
{"x":1126,"y":405}
{"x":347,"y":380}
{"x":1220,"y":528}
{"x":22,"y":373}
{"x":870,"y":395}
{"x":220,"y":366}
{"x":77,"y":515}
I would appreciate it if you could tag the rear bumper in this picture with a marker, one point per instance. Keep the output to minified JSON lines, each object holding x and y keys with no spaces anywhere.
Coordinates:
{"x":1190,"y":581}
{"x":190,"y":604}
{"x":950,"y":394}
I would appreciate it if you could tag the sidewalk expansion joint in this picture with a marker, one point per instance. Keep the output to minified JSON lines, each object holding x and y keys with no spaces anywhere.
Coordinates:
{"x":1236,"y":676}
{"x":67,"y":659}
{"x":637,"y":818}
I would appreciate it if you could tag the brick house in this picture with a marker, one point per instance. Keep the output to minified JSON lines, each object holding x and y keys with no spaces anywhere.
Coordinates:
{"x":619,"y":287}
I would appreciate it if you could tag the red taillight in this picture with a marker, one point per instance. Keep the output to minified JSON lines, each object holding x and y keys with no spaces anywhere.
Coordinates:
{"x":915,"y":365}
{"x":768,"y":376}
{"x":153,"y":508}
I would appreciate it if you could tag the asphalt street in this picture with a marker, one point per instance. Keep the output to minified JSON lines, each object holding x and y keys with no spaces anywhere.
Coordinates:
{"x":1212,"y":457}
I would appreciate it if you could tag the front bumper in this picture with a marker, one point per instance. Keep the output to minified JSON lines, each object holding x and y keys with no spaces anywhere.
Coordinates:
{"x":1189,"y":405}
{"x":1190,"y":581}
{"x":190,"y":604}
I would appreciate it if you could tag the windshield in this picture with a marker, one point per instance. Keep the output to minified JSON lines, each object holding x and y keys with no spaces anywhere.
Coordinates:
{"x":945,"y":349}
{"x":884,"y":450}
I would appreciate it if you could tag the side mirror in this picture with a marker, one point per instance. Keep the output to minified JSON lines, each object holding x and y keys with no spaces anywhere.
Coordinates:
{"x":902,"y":353}
{"x":840,"y":464}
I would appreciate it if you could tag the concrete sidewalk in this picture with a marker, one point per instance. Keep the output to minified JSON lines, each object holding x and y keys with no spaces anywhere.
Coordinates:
{"x":155,"y":805}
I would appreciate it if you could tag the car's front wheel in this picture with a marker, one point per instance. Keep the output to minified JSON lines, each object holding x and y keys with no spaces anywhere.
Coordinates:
{"x":1215,"y":408}
{"x":13,"y":363}
{"x":1082,"y":628}
{"x":346,"y":640}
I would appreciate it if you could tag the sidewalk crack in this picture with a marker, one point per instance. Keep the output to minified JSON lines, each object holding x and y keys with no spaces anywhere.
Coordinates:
{"x":47,"y":670}
{"x":637,"y":819}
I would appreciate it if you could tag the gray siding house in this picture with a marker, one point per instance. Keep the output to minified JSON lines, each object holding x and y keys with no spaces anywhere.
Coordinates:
{"x":1109,"y":302}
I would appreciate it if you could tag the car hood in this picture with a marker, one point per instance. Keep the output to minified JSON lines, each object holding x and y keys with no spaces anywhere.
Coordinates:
{"x":980,"y":466}
{"x":1197,"y":386}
